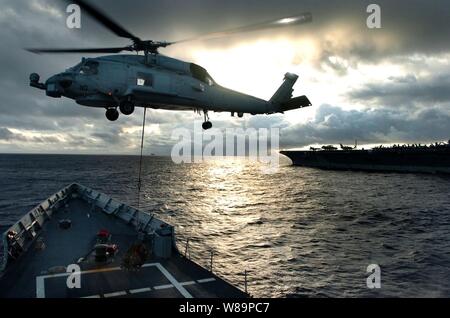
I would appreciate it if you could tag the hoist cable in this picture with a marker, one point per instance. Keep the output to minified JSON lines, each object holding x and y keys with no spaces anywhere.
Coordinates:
{"x":140,"y":160}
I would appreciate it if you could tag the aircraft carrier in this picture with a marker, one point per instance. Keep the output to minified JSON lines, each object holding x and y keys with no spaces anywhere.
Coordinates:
{"x":433,"y":158}
{"x":80,"y":243}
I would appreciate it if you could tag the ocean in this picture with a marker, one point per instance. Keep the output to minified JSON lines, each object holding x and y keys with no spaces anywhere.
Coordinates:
{"x":298,"y":233}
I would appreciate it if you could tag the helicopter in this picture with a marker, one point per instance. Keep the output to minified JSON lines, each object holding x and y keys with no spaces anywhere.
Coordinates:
{"x":152,"y":80}
{"x":329,"y":148}
{"x":347,"y":148}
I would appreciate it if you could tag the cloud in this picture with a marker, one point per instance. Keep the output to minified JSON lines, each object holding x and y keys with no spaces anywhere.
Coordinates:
{"x":406,"y":91}
{"x":381,"y":125}
{"x":410,"y":103}
{"x":109,"y":138}
{"x":5,"y":134}
{"x":8,"y":135}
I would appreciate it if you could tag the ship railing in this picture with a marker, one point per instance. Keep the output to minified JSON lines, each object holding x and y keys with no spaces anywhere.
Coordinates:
{"x":19,"y":237}
{"x":142,"y":221}
{"x":209,"y":258}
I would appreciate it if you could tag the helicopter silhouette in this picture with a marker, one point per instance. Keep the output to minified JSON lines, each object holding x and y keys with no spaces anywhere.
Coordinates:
{"x":152,"y":80}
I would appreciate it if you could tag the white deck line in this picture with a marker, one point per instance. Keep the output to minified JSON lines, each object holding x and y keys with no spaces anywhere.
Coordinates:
{"x":93,"y":271}
{"x":174,"y":282}
{"x":206,"y":280}
{"x":40,"y":287}
{"x":40,"y":280}
{"x":140,"y":290}
{"x":147,"y":289}
{"x":115,"y":294}
{"x":163,"y":287}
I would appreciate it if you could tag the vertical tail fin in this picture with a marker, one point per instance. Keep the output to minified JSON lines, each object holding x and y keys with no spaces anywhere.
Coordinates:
{"x":283,"y":100}
{"x":284,"y":93}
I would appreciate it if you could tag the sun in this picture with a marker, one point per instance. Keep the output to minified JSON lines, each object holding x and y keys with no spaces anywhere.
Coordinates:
{"x":250,"y":67}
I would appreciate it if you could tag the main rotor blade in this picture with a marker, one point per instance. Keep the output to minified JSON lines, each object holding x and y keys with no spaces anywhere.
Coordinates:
{"x":102,"y":18}
{"x":272,"y":24}
{"x":86,"y":50}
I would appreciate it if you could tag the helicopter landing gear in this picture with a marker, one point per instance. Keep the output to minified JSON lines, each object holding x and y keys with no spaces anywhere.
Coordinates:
{"x":240,"y":115}
{"x":112,"y":114}
{"x":207,"y":124}
{"x":126,"y":108}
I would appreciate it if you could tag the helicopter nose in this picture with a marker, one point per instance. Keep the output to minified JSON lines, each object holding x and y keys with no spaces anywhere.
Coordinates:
{"x":53,"y":88}
{"x":56,"y":85}
{"x":65,"y":83}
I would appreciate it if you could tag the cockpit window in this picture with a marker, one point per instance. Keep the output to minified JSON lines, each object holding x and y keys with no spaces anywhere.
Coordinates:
{"x":86,"y":67}
{"x":201,"y":74}
{"x":89,"y":68}
{"x":76,"y":68}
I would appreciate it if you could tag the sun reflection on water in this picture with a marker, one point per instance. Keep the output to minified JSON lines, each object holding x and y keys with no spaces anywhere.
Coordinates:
{"x":297,"y":231}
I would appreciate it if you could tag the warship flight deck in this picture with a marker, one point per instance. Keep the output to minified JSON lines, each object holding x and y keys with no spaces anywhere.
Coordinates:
{"x":120,"y":252}
{"x":434,"y":158}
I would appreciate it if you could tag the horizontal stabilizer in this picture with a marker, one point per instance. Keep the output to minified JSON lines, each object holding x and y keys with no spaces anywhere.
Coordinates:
{"x":295,"y":103}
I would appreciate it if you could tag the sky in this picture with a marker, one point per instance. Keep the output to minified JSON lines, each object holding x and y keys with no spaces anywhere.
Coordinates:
{"x":377,"y":86}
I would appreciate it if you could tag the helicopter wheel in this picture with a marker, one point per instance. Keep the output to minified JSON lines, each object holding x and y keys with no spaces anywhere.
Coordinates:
{"x":126,"y":108}
{"x":112,"y":114}
{"x":207,"y":125}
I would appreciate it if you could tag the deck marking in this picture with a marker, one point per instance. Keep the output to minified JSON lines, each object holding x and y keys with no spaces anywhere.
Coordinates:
{"x":115,"y":294}
{"x":174,"y":282}
{"x":150,"y":265}
{"x":40,"y":281}
{"x":93,"y":271}
{"x":163,"y":287}
{"x":206,"y":280}
{"x":40,"y":287}
{"x":148,"y":289}
{"x":140,"y":290}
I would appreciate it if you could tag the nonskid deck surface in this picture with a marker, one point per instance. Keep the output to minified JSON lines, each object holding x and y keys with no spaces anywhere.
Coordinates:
{"x":32,"y":276}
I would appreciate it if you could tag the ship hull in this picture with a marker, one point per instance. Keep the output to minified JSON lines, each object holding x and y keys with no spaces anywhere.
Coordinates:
{"x":437,"y":161}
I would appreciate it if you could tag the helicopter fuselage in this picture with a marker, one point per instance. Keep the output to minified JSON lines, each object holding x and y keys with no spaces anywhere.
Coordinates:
{"x":159,"y":82}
